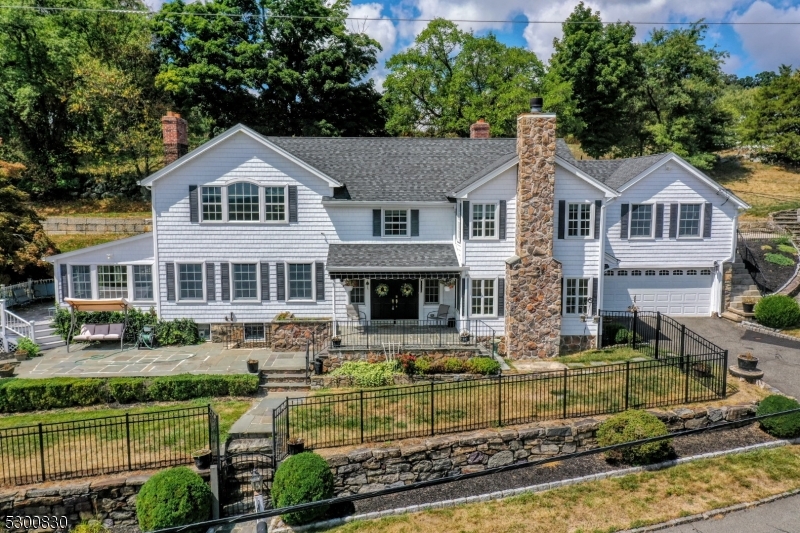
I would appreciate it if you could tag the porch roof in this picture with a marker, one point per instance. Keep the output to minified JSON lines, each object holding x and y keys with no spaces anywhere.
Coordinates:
{"x":391,"y":256}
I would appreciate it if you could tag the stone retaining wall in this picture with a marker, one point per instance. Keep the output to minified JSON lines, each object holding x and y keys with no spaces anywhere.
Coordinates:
{"x":293,"y":335}
{"x":371,"y":469}
{"x":84,"y":225}
{"x":576,"y":343}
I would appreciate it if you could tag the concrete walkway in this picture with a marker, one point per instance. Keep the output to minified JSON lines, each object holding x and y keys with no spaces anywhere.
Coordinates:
{"x":257,"y":422}
{"x":781,"y":516}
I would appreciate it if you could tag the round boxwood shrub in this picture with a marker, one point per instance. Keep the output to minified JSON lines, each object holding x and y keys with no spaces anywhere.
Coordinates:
{"x":174,"y":497}
{"x":777,"y":311}
{"x":302,"y":478}
{"x":782,"y":427}
{"x":630,"y":426}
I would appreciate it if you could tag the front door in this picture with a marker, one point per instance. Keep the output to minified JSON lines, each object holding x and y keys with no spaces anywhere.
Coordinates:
{"x":394,"y":305}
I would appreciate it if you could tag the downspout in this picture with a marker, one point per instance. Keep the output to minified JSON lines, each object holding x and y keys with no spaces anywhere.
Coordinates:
{"x":601,"y":282}
{"x":156,"y":264}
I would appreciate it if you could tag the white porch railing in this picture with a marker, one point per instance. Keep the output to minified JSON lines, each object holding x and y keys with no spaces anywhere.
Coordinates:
{"x":14,"y":324}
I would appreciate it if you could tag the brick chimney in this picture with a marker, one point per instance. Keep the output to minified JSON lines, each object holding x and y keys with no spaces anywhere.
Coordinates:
{"x":176,"y":136}
{"x":479,"y":130}
{"x":533,"y":276}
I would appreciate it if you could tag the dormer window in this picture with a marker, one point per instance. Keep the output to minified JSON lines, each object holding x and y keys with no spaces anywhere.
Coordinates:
{"x":395,"y":222}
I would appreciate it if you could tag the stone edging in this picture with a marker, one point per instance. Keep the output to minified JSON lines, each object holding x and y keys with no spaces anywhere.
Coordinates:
{"x":758,"y":328}
{"x":498,"y":495}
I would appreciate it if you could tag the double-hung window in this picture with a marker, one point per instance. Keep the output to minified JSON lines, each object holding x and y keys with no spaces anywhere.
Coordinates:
{"x":275,"y":204}
{"x":689,"y":220}
{"x":301,"y":286}
{"x":245,"y":282}
{"x":254,"y":332}
{"x":576,"y":296}
{"x":357,"y":293}
{"x":395,"y":222}
{"x":142,"y":282}
{"x":579,"y":220}
{"x":641,"y":221}
{"x":211,"y":203}
{"x":483,"y":297}
{"x":81,"y":282}
{"x":242,"y":202}
{"x":190,"y":281}
{"x":112,"y":281}
{"x":431,"y":291}
{"x":483,"y":221}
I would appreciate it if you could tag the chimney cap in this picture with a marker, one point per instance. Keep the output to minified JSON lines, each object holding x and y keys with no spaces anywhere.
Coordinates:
{"x":173,"y":114}
{"x":536,"y":104}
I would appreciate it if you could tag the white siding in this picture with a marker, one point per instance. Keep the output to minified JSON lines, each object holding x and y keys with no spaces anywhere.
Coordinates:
{"x":353,"y":224}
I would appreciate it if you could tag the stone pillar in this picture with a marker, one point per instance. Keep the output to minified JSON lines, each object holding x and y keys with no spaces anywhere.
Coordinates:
{"x":533,"y":277}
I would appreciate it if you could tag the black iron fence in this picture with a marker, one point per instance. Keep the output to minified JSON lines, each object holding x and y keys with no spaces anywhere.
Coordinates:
{"x":685,"y":368}
{"x":237,"y":483}
{"x":382,"y":334}
{"x":79,"y":448}
{"x":750,"y":244}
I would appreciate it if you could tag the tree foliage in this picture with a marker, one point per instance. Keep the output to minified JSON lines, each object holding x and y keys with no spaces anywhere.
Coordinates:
{"x":774,"y":123}
{"x":449,"y":78}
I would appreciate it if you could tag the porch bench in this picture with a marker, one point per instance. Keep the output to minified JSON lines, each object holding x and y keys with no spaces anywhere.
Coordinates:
{"x":100,"y":332}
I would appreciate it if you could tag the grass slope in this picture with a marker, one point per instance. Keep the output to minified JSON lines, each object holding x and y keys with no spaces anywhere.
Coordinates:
{"x":69,"y":243}
{"x":108,"y":208}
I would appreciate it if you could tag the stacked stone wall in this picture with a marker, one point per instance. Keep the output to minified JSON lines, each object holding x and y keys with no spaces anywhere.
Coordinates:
{"x":88,"y":225}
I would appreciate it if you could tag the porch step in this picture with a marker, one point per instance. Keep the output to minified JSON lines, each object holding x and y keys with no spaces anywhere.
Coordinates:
{"x":733,"y":317}
{"x":272,"y":388}
{"x":284,"y":378}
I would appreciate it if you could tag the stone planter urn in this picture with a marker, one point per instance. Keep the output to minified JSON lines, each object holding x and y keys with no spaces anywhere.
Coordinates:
{"x":747,"y":308}
{"x":252,"y":365}
{"x":296,"y":446}
{"x":202,"y":459}
{"x":747,"y":361}
{"x":21,"y":355}
{"x":7,"y":370}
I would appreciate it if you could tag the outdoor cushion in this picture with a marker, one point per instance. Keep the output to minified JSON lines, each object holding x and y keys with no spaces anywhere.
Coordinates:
{"x":87,"y":330}
{"x":100,"y":331}
{"x":114,"y":332}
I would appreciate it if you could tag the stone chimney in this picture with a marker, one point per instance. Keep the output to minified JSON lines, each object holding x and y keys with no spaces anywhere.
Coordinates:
{"x":176,"y":136}
{"x":533,"y":276}
{"x":479,"y":130}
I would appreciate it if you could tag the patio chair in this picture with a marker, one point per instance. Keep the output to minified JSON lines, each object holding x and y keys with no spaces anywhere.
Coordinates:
{"x":440,"y":314}
{"x":20,"y":297}
{"x":44,"y":290}
{"x":147,"y":338}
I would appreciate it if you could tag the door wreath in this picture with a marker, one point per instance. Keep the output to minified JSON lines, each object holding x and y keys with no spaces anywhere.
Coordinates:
{"x":406,"y":289}
{"x":382,"y":289}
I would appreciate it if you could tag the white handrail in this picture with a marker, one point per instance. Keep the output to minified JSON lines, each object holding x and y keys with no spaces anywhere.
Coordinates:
{"x":19,"y":325}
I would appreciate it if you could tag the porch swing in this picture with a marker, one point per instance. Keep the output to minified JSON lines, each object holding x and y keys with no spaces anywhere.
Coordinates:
{"x":98,"y":332}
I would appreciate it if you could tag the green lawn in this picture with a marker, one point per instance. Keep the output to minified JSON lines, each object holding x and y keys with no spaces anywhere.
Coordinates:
{"x":607,"y":355}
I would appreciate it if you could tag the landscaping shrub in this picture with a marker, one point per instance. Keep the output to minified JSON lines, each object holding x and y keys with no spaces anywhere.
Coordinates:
{"x":24,"y":344}
{"x":483,"y":365}
{"x":128,"y":390}
{"x":451,"y":365}
{"x":366,"y":374}
{"x":630,"y":426}
{"x":407,"y":362}
{"x":778,"y":259}
{"x":242,"y":384}
{"x":782,"y":427}
{"x":92,"y":526}
{"x":423,"y":365}
{"x":181,"y":331}
{"x":782,"y":240}
{"x":302,"y":478}
{"x":777,"y":311}
{"x":787,"y":248}
{"x":173,"y":497}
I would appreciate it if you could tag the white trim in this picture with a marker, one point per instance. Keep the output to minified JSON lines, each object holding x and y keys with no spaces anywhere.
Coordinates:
{"x":232,"y":282}
{"x":331,"y":202}
{"x":408,"y":224}
{"x":586,"y":177}
{"x":590,"y":236}
{"x":263,"y":204}
{"x":286,"y":280}
{"x":178,"y":298}
{"x":495,"y":298}
{"x":239,"y":128}
{"x":462,"y":193}
{"x":700,"y":227}
{"x":653,"y":212}
{"x":577,"y":296}
{"x":226,"y":205}
{"x":132,"y":289}
{"x":74,"y":253}
{"x":397,"y":269}
{"x":496,"y":236}
{"x":725,"y":193}
{"x":222,"y":198}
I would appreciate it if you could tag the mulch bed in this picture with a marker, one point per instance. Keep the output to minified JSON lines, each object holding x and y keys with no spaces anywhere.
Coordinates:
{"x":775,"y":275}
{"x":709,"y":441}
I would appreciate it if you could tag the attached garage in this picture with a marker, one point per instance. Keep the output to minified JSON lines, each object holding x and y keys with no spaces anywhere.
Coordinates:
{"x":674,"y":291}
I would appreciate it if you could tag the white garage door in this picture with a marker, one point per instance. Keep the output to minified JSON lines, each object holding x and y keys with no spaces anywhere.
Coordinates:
{"x":675,"y":292}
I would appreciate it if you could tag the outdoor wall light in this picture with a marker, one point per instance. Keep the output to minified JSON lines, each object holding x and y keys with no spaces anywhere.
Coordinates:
{"x":230,"y":318}
{"x":109,"y":256}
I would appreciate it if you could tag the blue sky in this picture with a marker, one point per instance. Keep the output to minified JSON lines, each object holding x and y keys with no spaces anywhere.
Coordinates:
{"x":752,"y":48}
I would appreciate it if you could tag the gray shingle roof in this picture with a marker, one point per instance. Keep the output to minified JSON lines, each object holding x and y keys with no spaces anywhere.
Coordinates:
{"x":395,"y":255}
{"x":617,"y":172}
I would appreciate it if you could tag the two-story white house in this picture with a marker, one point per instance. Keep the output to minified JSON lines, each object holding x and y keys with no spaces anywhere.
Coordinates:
{"x":246,"y":227}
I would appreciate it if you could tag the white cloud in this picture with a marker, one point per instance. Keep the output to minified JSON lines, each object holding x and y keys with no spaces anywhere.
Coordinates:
{"x":383,"y":30}
{"x":770,"y":46}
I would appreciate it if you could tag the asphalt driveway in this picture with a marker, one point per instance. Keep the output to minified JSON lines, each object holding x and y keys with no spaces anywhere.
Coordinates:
{"x":778,"y":358}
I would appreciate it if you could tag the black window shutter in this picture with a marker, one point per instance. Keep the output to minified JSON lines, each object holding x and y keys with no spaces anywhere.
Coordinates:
{"x":501,"y":297}
{"x":465,"y":219}
{"x":193,"y":208}
{"x":320,"y":272}
{"x":264,"y":282}
{"x":225,"y":281}
{"x":170,"y":270}
{"x":376,"y":222}
{"x":561,"y":303}
{"x":458,"y":299}
{"x":623,"y":229}
{"x":562,"y":217}
{"x":211,"y":283}
{"x":415,"y":222}
{"x":279,"y":281}
{"x":598,"y":205}
{"x":464,"y":297}
{"x":292,"y":203}
{"x":673,"y":221}
{"x":594,"y":296}
{"x":503,"y":217}
{"x":64,"y":281}
{"x":708,"y":211}
{"x":659,"y":221}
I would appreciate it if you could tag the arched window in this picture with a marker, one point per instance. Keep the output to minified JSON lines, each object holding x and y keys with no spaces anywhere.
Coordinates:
{"x":242,"y":202}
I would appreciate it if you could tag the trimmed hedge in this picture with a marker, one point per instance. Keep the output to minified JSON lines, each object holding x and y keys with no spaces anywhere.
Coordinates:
{"x":302,"y":478}
{"x":782,"y":427}
{"x":630,"y":426}
{"x":173,"y":497}
{"x":777,"y":311}
{"x":17,"y":395}
{"x":181,"y":331}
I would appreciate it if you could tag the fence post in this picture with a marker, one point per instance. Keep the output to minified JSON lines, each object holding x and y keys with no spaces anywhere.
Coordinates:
{"x":307,"y":350}
{"x":565,"y":393}
{"x":658,"y":331}
{"x":634,"y":328}
{"x":500,"y":400}
{"x":627,"y":383}
{"x":683,"y":346}
{"x":274,"y":441}
{"x":432,"y":411}
{"x":41,"y":449}
{"x":725,"y":375}
{"x":214,"y":482}
{"x":686,"y":386}
{"x":366,"y":330}
{"x":361,"y":404}
{"x":128,"y":438}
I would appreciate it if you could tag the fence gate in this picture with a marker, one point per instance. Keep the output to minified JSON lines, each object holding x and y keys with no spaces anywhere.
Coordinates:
{"x":236,"y":487}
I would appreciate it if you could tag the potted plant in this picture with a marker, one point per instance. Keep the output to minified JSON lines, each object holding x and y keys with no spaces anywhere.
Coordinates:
{"x":747,"y":361}
{"x":449,"y":284}
{"x":21,"y":355}
{"x":748,"y":303}
{"x":336,"y":341}
{"x":26,"y":348}
{"x":202,"y":458}
{"x":296,"y":445}
{"x":252,"y":365}
{"x":7,"y":370}
{"x":348,"y":285}
{"x":464,"y":335}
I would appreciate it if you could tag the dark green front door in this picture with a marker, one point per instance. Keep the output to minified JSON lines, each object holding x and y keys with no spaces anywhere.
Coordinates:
{"x":394,"y":306}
